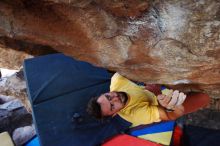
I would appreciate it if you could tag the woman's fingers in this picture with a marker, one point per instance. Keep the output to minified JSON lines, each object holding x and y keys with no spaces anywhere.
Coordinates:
{"x":174,"y":99}
{"x":181,"y":98}
{"x":171,"y":98}
{"x":162,"y":100}
{"x":161,"y":97}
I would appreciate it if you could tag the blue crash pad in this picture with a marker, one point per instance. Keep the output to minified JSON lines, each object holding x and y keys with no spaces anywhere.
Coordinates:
{"x":59,"y":88}
{"x":33,"y":142}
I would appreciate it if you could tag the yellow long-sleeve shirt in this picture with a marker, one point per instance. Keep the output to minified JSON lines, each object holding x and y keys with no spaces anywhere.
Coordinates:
{"x":141,"y":107}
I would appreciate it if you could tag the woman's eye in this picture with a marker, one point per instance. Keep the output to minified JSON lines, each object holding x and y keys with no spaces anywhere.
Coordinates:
{"x":108,"y":97}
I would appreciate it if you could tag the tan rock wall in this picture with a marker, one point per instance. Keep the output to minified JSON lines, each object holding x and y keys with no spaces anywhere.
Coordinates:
{"x":168,"y":42}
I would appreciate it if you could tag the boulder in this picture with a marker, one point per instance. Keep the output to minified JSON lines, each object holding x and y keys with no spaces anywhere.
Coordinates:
{"x":23,"y":134}
{"x":13,"y":115}
{"x":165,"y":42}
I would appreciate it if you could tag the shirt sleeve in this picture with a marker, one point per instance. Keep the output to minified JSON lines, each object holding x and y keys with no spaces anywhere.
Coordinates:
{"x":142,"y":115}
{"x":117,"y":82}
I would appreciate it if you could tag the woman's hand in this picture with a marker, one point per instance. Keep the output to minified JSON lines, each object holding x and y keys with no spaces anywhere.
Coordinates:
{"x":171,"y":99}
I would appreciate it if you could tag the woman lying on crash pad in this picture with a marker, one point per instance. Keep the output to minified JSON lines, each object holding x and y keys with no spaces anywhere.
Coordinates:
{"x":140,"y":105}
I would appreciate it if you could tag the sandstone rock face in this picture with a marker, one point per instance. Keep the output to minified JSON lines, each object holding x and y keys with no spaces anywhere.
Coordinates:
{"x":13,"y":52}
{"x":169,"y":42}
{"x":10,"y":58}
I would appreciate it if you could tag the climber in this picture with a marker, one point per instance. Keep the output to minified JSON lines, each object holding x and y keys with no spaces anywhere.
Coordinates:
{"x":139,"y":105}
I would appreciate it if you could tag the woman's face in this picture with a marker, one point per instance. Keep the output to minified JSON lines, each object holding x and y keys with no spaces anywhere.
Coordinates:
{"x":112,"y":102}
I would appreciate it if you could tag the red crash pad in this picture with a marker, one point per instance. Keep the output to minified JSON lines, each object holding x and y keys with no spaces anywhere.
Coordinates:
{"x":127,"y":140}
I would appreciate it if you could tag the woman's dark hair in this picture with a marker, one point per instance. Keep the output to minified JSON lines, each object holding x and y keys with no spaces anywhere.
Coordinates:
{"x":94,"y":108}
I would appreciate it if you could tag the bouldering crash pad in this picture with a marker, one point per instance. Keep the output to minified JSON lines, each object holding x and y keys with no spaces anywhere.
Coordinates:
{"x":59,"y":88}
